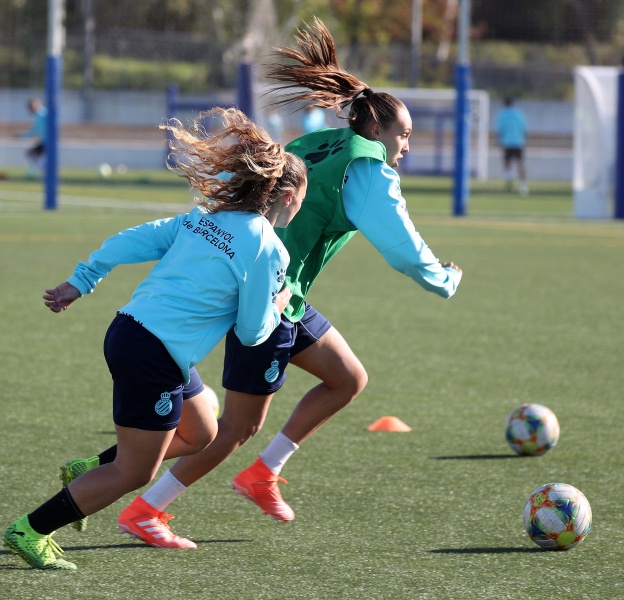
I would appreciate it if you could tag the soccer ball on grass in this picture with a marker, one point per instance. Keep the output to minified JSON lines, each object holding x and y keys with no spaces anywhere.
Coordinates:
{"x":531,"y":429}
{"x":557,"y":516}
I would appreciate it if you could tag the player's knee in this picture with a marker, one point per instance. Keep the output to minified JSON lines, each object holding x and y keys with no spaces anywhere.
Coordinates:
{"x":363,"y":381}
{"x":144,"y":478}
{"x":131,"y":482}
{"x":210,"y":434}
{"x":360,"y":381}
{"x":202,"y":440}
{"x":239,"y":433}
{"x":354,"y":384}
{"x":132,"y":478}
{"x":247,"y":432}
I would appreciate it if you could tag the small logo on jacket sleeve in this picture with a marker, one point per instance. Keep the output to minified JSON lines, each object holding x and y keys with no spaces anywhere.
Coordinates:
{"x":164,"y":405}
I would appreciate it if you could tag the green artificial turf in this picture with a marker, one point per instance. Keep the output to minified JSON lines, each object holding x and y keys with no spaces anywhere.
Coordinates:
{"x":435,"y":513}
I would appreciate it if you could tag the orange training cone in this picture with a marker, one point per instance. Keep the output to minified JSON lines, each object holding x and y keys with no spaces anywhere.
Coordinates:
{"x":389,"y":424}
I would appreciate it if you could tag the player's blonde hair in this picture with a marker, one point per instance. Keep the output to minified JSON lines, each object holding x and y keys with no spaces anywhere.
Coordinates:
{"x":238,"y":168}
{"x":327,"y":84}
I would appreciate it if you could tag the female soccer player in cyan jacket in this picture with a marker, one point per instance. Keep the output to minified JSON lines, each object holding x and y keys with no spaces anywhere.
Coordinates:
{"x":352,"y":185}
{"x":220,"y":267}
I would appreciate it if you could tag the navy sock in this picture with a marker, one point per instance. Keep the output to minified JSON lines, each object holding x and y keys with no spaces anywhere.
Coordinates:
{"x":58,"y":511}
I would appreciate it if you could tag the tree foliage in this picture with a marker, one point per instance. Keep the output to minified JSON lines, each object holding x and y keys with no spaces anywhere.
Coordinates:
{"x":554,"y":20}
{"x":217,"y":33}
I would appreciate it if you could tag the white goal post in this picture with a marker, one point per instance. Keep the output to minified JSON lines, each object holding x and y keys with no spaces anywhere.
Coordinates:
{"x":595,"y":136}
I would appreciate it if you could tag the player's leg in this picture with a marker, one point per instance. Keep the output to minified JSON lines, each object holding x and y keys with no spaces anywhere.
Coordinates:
{"x":32,"y":157}
{"x":145,"y":517}
{"x":243,"y":417}
{"x":139,"y":454}
{"x":342,"y":376}
{"x":197,"y":428}
{"x":250,"y":378}
{"x":523,"y":186}
{"x":147,"y":395}
{"x":134,"y":520}
{"x":321,"y":351}
{"x":142,"y":371}
{"x":507,"y":167}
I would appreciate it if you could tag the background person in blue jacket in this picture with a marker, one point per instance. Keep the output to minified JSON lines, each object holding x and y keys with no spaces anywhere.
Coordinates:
{"x":220,"y":266}
{"x":511,"y":128}
{"x":36,"y":153}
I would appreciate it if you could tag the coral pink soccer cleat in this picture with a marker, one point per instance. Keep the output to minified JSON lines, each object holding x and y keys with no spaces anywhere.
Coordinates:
{"x":259,"y":484}
{"x":142,"y":521}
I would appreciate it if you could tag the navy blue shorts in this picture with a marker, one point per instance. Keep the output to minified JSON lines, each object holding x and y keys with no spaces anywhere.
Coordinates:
{"x":148,"y":386}
{"x":194,"y":386}
{"x":514,"y":152}
{"x":261,"y":370}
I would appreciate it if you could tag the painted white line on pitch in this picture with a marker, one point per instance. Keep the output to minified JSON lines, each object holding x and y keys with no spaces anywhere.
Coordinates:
{"x":589,"y":228}
{"x":20,"y":196}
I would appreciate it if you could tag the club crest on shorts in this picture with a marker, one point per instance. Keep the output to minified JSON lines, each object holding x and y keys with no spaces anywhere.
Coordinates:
{"x":272,"y":373}
{"x":164,"y":405}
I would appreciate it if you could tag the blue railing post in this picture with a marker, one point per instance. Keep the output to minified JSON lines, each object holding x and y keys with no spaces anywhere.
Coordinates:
{"x":53,"y":85}
{"x":461,"y":175}
{"x":618,"y":212}
{"x":244,"y":89}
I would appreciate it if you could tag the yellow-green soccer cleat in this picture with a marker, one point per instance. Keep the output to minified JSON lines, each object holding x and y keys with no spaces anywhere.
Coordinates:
{"x":38,"y":550}
{"x":72,"y":469}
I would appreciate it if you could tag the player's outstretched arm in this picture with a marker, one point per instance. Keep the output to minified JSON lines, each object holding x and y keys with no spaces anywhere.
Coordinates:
{"x":61,"y":297}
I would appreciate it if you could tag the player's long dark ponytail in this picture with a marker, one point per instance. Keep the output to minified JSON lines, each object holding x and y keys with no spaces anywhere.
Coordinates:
{"x":327,"y":85}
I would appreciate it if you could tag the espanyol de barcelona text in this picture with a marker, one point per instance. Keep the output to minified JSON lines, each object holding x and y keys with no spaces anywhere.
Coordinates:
{"x":213,"y":234}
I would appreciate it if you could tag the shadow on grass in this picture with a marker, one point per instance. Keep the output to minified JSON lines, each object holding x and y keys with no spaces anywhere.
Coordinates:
{"x":140,"y":546}
{"x":486,"y":550}
{"x":134,"y":546}
{"x":477,"y":457}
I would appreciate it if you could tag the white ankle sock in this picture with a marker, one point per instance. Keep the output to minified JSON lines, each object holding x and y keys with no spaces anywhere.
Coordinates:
{"x":163,"y":492}
{"x":278,"y":452}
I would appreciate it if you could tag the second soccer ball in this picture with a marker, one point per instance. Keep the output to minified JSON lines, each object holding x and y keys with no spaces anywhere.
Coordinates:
{"x":531,"y":429}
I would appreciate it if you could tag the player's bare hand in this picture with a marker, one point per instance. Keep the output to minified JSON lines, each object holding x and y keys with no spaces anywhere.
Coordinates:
{"x":282,"y":299}
{"x":451,"y":265}
{"x":61,"y":297}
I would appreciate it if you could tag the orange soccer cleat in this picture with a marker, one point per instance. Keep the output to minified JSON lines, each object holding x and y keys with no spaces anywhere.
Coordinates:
{"x":259,"y":484}
{"x":142,"y":521}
